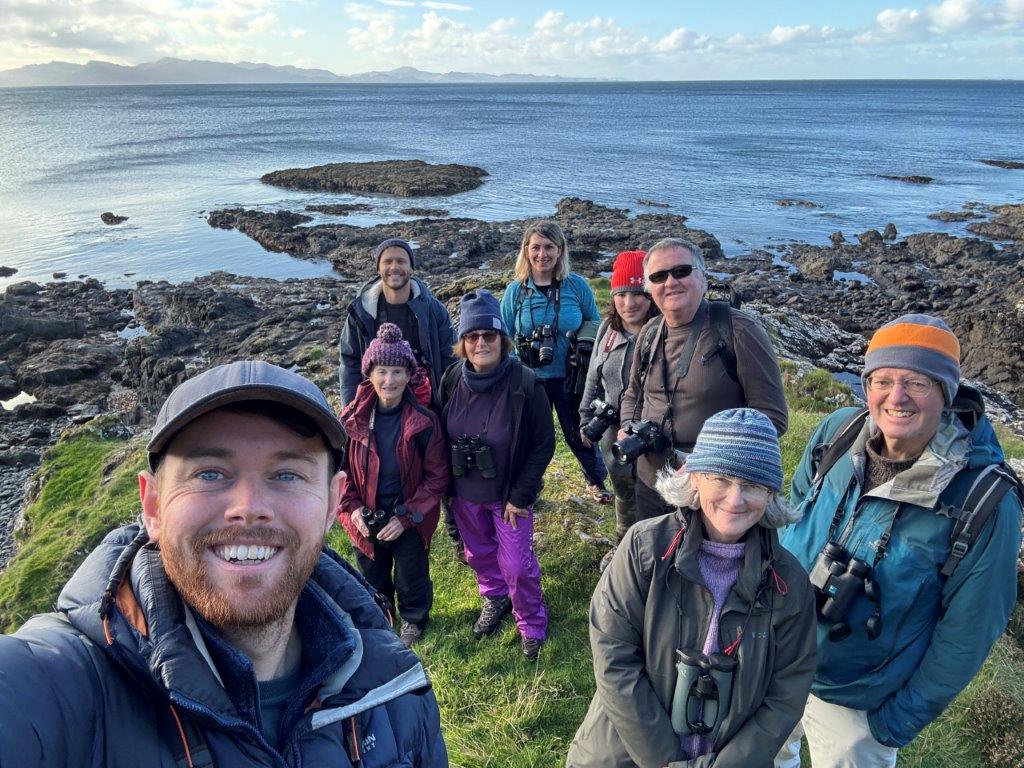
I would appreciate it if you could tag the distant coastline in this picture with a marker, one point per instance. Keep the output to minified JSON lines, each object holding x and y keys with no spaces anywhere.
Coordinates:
{"x":170,"y":71}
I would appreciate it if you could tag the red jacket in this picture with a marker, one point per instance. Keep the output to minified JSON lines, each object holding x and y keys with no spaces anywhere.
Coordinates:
{"x":424,"y":475}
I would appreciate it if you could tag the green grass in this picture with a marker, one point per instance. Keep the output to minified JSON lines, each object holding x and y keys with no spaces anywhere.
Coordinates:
{"x":89,"y":488}
{"x":496,"y":708}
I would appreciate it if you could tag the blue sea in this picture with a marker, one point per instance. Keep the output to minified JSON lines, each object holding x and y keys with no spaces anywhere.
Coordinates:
{"x":720,"y":153}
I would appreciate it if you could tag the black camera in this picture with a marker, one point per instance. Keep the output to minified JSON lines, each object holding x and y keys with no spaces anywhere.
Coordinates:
{"x":641,"y":437}
{"x":537,"y":349}
{"x":472,"y":452}
{"x":375,"y":520}
{"x":604,"y":416}
{"x":838,"y":579}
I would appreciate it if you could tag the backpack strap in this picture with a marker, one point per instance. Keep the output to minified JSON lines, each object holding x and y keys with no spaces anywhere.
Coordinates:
{"x":825,"y":455}
{"x":721,"y":330}
{"x":981,"y":502}
{"x":644,"y":353}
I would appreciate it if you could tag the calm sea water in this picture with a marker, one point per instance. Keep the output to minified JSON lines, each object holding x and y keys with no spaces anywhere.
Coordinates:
{"x":720,"y":153}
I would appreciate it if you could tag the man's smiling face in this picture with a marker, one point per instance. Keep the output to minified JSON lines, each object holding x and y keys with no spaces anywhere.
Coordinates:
{"x":239,"y":507}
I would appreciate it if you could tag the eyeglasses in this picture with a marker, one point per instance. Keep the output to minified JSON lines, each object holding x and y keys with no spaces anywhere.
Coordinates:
{"x":474,"y":337}
{"x":679,"y":272}
{"x":751,"y":492}
{"x":916,"y":387}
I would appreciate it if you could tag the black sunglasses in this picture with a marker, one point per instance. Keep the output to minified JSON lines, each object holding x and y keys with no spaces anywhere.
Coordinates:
{"x":679,"y":272}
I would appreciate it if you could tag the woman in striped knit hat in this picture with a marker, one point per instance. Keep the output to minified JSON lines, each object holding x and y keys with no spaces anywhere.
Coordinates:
{"x":702,"y":626}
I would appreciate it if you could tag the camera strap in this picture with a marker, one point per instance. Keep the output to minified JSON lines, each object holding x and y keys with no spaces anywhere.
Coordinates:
{"x":553,"y":296}
{"x":683,"y":366}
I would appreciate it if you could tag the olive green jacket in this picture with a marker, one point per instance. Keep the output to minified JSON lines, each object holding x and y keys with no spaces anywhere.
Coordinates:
{"x":652,"y":600}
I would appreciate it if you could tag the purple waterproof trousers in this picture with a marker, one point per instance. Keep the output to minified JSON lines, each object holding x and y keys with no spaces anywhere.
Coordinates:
{"x":504,"y":561}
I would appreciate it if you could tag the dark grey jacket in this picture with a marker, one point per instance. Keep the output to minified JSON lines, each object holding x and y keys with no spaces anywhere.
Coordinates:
{"x":437,"y":336}
{"x":652,"y":600}
{"x":607,"y":379}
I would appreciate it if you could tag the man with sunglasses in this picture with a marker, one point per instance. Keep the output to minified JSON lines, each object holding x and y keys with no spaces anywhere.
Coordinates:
{"x":883,"y":495}
{"x":681,"y":371}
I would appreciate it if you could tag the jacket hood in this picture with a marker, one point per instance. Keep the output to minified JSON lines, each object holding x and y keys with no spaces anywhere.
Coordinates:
{"x":369,"y":293}
{"x":122,"y":600}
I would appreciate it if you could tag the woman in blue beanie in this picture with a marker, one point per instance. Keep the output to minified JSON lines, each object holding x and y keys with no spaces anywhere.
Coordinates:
{"x":544,"y":301}
{"x":702,"y":626}
{"x":498,"y":421}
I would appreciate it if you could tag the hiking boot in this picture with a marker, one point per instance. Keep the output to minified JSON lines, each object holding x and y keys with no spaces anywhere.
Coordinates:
{"x":531,"y":647}
{"x":410,"y":633}
{"x":606,"y":560}
{"x":490,"y":615}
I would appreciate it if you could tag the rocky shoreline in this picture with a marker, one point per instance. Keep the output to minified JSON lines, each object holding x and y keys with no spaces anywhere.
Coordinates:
{"x":80,"y":349}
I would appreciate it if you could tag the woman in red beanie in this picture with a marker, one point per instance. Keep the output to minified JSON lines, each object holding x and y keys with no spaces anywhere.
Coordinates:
{"x":608,"y":376}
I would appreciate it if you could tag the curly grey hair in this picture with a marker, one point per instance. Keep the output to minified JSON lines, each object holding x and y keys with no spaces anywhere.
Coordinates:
{"x":678,"y":489}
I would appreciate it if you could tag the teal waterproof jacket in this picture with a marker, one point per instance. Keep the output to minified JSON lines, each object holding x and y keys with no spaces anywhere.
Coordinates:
{"x":523,"y":308}
{"x":936,"y":632}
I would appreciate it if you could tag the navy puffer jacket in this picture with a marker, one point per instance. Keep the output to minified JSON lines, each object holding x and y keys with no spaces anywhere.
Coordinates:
{"x":133,"y":688}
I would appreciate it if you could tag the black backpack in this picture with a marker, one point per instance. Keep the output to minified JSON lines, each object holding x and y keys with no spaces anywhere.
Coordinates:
{"x":982,"y":498}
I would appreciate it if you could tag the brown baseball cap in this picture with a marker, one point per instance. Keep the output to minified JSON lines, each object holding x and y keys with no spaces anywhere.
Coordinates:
{"x":243,"y":381}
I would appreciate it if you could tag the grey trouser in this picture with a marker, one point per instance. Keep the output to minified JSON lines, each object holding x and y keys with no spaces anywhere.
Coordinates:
{"x":838,"y":737}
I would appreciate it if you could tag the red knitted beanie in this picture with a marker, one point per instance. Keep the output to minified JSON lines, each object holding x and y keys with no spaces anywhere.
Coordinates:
{"x":628,"y":272}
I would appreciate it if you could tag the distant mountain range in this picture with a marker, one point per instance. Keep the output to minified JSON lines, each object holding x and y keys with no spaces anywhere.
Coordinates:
{"x":195,"y":72}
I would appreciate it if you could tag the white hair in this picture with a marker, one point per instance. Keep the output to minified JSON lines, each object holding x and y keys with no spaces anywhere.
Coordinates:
{"x":679,"y":490}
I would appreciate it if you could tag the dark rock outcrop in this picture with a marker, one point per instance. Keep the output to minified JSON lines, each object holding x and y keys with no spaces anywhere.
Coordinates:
{"x":112,"y":218}
{"x":908,"y":179}
{"x":402,"y":178}
{"x":428,"y":212}
{"x":1012,"y":165}
{"x":954,"y":216}
{"x":595,"y":232}
{"x":8,"y":271}
{"x":340,"y":209}
{"x":789,"y":202}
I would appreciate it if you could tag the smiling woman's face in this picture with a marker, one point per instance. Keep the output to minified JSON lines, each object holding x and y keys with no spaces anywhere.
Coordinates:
{"x":543,"y":256}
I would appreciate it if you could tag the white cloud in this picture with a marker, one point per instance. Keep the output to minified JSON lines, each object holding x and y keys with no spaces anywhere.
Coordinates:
{"x":295,"y":34}
{"x":898,"y":20}
{"x":445,"y":6}
{"x":398,"y":3}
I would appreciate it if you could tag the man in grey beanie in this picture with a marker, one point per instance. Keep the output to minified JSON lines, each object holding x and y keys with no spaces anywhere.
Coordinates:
{"x":910,"y":531}
{"x":395,"y":296}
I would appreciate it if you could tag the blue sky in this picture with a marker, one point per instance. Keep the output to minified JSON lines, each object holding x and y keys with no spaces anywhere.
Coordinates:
{"x":599,"y":38}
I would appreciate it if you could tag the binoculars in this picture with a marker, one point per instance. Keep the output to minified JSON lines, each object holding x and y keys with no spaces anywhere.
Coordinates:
{"x":641,"y":437}
{"x":470,"y":452}
{"x":375,"y":520}
{"x":838,"y":579}
{"x":703,"y":691}
{"x":537,"y":349}
{"x":604,"y":416}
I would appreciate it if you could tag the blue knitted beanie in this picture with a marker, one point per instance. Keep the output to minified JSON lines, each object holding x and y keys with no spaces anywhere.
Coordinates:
{"x":479,"y":311}
{"x":740,"y":443}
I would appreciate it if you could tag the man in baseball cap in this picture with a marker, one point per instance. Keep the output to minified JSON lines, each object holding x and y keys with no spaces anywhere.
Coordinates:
{"x":221,"y":630}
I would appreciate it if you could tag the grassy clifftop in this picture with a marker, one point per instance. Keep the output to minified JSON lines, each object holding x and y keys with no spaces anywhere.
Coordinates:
{"x":497,"y":709}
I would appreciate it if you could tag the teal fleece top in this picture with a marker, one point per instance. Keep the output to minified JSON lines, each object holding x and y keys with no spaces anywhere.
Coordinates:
{"x":523,"y":308}
{"x":936,"y":632}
